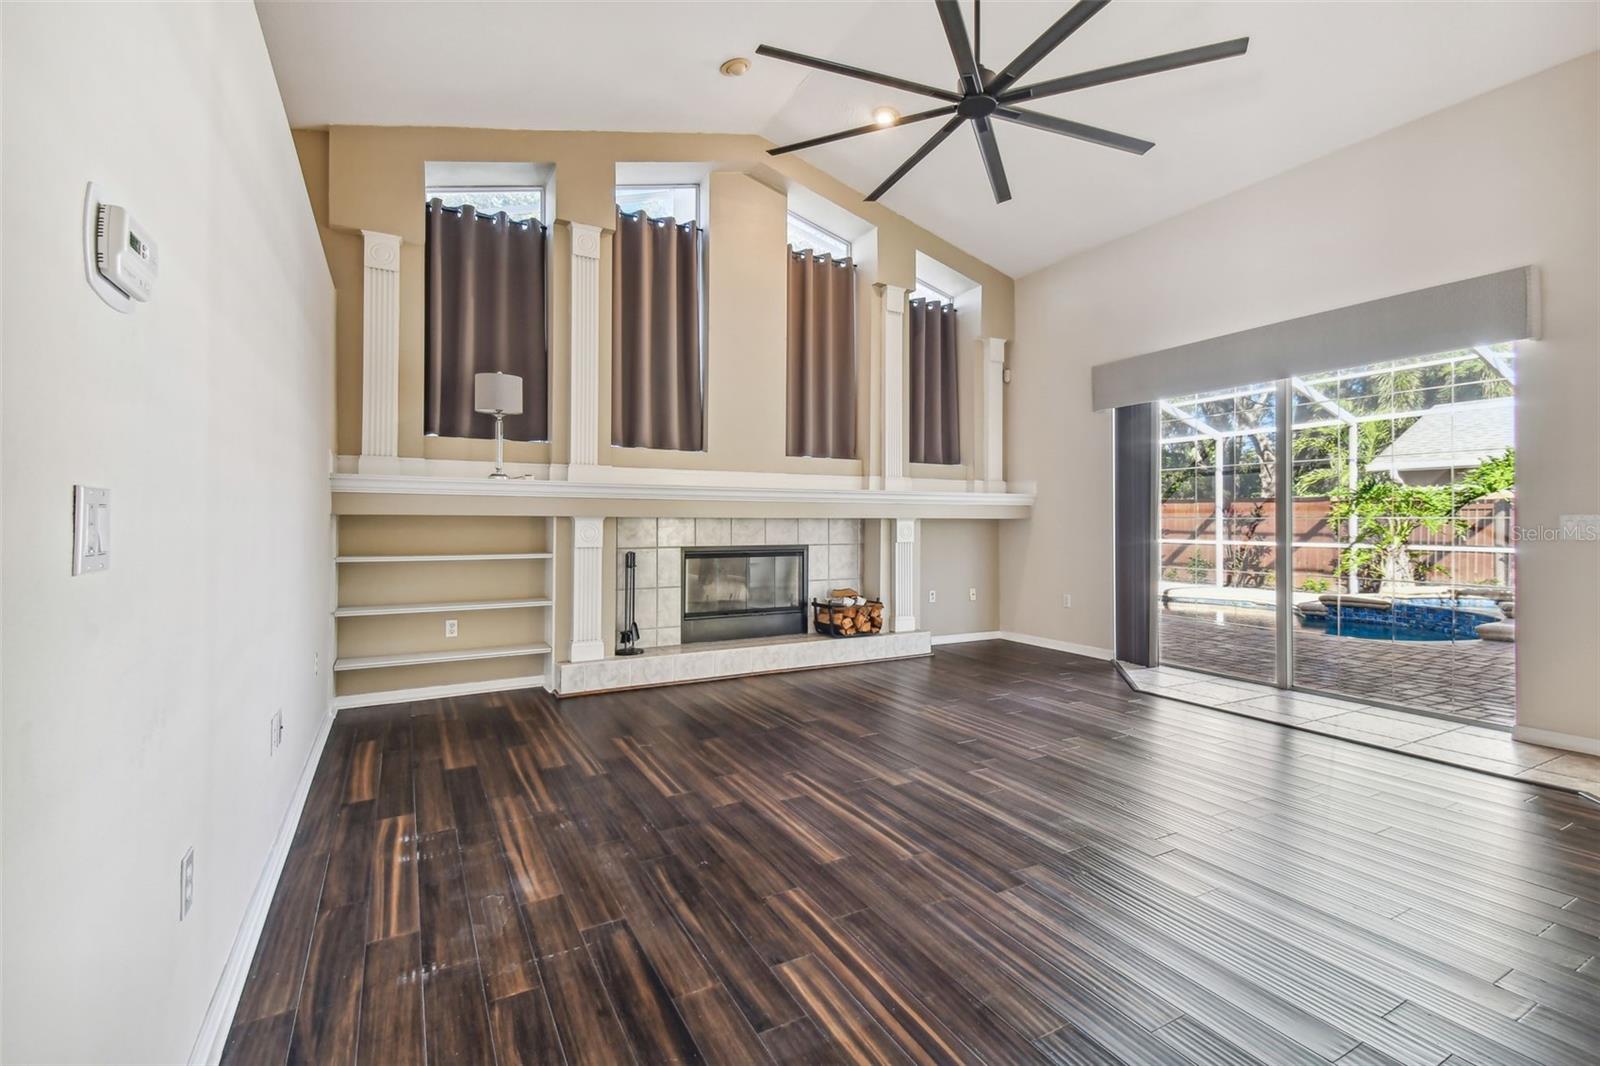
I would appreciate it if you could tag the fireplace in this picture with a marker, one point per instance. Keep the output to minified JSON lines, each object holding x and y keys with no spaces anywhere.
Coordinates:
{"x":729,"y":593}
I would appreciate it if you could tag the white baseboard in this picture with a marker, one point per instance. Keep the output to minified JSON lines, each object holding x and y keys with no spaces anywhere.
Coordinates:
{"x":213,"y":1034}
{"x":1060,"y":645}
{"x":435,"y":692}
{"x":965,"y":638}
{"x":1551,"y":739}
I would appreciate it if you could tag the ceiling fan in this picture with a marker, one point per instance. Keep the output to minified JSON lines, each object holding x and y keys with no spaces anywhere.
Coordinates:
{"x":984,"y":95}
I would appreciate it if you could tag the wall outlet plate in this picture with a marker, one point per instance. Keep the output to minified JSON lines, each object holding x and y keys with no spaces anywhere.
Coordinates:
{"x":1066,"y":599}
{"x":91,"y":530}
{"x":972,"y":594}
{"x":451,"y":629}
{"x":933,"y":595}
{"x":275,"y":730}
{"x":185,"y":884}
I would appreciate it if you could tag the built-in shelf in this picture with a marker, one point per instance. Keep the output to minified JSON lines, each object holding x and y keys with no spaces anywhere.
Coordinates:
{"x":424,"y":658}
{"x":435,"y":608}
{"x":471,"y":558}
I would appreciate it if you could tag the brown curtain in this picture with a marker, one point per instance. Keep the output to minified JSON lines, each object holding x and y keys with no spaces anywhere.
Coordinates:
{"x":485,"y":312}
{"x":822,"y":356}
{"x":657,"y":380}
{"x":935,"y":389}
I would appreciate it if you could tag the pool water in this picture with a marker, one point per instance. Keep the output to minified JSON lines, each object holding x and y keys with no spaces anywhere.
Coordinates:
{"x":1380,"y":631}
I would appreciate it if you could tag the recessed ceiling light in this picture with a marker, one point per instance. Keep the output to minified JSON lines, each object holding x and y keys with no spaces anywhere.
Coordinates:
{"x":885,"y":116}
{"x":734,"y":67}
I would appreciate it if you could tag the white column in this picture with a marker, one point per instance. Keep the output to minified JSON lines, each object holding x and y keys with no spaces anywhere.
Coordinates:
{"x":583,"y":426}
{"x":905,"y":578}
{"x":588,"y":589}
{"x":988,"y":467}
{"x":892,"y":390}
{"x":380,"y":350}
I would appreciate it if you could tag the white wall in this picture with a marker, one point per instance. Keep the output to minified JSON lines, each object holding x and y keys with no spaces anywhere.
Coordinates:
{"x":1503,"y":180}
{"x":136,"y":702}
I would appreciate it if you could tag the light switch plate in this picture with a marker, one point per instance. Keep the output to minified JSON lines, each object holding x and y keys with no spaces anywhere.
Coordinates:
{"x":91,"y":530}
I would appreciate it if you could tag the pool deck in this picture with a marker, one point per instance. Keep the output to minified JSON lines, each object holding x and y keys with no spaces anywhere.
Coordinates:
{"x":1471,"y":680}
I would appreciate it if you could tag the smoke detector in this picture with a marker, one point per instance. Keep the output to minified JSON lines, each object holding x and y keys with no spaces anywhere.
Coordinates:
{"x":735,"y":67}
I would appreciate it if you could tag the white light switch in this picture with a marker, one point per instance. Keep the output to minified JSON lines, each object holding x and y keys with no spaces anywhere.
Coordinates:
{"x":91,"y":529}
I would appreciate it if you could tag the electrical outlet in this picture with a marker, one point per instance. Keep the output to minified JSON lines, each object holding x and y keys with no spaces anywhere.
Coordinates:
{"x":933,"y":596}
{"x":450,"y":628}
{"x":316,"y":663}
{"x":275,"y":730}
{"x":186,"y":884}
{"x":1066,"y":599}
{"x":972,"y":594}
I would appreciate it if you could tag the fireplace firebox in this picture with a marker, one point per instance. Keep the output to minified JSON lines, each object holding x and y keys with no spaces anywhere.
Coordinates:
{"x":735,"y":592}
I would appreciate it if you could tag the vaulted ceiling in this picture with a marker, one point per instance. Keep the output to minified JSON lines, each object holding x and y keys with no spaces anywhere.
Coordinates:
{"x":1318,"y":76}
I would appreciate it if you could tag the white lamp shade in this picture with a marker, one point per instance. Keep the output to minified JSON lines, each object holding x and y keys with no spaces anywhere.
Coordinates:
{"x":497,"y":394}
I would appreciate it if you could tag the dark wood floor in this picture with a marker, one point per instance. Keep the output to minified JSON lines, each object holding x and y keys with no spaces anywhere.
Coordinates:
{"x":996,"y":855}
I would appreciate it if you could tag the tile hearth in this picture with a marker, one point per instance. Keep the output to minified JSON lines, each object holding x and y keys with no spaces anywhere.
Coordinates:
{"x":734,"y":658}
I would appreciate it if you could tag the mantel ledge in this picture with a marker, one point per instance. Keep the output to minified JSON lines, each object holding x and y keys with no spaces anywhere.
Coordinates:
{"x":976,"y":504}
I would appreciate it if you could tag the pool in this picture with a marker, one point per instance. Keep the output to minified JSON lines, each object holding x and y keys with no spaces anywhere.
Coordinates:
{"x":1409,"y":619}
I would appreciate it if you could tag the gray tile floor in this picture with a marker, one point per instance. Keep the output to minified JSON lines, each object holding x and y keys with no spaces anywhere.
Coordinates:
{"x":1468,"y":679}
{"x":1475,"y":747}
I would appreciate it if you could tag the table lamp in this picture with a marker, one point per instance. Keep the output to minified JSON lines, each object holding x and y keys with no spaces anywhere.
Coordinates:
{"x":499,"y":395}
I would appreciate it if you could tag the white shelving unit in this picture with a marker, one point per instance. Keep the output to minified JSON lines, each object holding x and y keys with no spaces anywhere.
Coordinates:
{"x":376,"y":609}
{"x":423,"y":658}
{"x":542,"y":584}
{"x":469,"y":558}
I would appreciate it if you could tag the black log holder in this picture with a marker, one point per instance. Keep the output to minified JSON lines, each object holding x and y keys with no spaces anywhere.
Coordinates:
{"x":628,"y":635}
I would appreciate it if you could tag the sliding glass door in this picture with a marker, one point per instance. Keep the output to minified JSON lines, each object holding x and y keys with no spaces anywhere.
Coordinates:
{"x":1217,"y":597}
{"x":1390,"y":577}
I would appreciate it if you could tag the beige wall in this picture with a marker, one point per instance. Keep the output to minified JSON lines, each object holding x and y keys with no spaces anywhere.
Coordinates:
{"x":372,"y":178}
{"x":137,"y":701}
{"x":958,"y":557}
{"x":1503,"y":180}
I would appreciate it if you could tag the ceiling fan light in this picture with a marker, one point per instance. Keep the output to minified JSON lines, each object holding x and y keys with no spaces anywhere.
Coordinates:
{"x":885,"y":116}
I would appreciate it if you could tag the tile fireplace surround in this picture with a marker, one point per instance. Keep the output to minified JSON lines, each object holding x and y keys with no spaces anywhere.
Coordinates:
{"x":833,"y":560}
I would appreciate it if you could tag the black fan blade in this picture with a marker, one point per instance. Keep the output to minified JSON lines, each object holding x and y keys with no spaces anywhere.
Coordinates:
{"x":989,"y":148}
{"x":1122,"y":71}
{"x":1048,"y":42}
{"x":955,"y":31}
{"x":871,"y":127}
{"x":856,"y":72}
{"x":916,"y":157}
{"x":1068,"y":128}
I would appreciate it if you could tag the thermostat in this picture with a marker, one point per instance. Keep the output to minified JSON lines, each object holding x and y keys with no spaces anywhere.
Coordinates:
{"x":124,"y":252}
{"x":120,"y":256}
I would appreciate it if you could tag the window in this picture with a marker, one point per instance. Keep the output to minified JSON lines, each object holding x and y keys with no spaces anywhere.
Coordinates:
{"x":681,"y":203}
{"x":521,"y":204}
{"x":924,"y":291}
{"x":657,"y":316}
{"x":484,"y":307}
{"x":804,"y":235}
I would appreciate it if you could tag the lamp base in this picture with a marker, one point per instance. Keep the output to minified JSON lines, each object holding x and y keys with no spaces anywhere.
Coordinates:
{"x":499,"y":475}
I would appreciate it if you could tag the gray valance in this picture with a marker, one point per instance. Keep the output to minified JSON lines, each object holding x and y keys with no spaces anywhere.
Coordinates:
{"x":485,"y":311}
{"x":822,"y":356}
{"x":1491,"y":309}
{"x":657,"y":376}
{"x":934,"y":383}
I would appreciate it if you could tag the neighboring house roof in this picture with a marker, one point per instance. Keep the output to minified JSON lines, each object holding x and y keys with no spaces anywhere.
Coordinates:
{"x":1452,"y":436}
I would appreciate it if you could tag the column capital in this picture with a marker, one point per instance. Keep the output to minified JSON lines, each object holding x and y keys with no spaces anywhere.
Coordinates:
{"x":381,"y":250}
{"x":894,"y":297}
{"x":585,"y":240}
